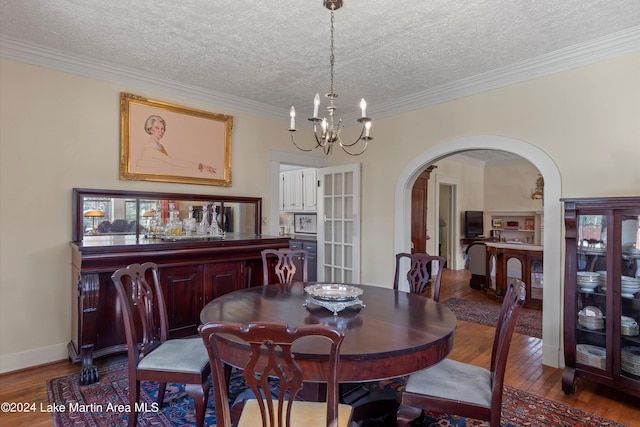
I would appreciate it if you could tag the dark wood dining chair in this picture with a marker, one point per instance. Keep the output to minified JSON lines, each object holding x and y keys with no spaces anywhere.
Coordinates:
{"x":421,"y":273}
{"x":151,"y":355}
{"x":271,"y":358}
{"x":283,"y":265}
{"x":463,"y":389}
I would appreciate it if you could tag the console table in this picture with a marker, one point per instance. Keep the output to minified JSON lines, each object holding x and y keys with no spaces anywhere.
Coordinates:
{"x":528,"y":261}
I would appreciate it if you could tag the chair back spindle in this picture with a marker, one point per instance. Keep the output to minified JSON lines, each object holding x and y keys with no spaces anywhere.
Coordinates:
{"x":283,"y":264}
{"x":424,"y":270}
{"x":271,"y":356}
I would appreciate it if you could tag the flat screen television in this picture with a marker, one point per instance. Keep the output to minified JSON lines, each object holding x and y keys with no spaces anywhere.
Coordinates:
{"x":473,"y":224}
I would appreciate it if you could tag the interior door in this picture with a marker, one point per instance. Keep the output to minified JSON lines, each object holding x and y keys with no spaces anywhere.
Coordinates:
{"x":419,"y":205}
{"x":338,"y":224}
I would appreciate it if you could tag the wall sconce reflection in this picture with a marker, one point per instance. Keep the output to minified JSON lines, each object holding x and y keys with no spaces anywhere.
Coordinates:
{"x":538,"y":192}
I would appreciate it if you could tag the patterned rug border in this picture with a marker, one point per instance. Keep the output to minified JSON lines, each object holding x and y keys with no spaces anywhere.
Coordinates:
{"x":486,"y":313}
{"x":520,"y":409}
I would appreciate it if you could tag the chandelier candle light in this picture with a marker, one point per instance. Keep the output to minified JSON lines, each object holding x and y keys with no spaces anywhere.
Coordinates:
{"x":325,"y":130}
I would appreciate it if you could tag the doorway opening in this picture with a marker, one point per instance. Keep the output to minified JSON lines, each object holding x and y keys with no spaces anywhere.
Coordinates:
{"x":447,"y":223}
{"x":552,"y":319}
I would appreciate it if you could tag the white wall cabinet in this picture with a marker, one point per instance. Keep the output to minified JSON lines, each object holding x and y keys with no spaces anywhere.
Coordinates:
{"x":299,"y":190}
{"x":309,"y":189}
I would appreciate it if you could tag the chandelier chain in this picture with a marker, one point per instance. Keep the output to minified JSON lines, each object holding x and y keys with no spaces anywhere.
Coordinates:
{"x":325,"y":130}
{"x":332,"y":58}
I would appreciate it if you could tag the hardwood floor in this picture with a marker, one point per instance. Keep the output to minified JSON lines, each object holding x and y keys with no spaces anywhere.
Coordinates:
{"x":472,"y":345}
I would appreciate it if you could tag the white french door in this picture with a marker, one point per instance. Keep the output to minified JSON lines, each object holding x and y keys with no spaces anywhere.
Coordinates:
{"x":339,"y":224}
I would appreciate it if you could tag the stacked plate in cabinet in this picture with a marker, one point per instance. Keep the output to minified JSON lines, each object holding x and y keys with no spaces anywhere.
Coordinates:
{"x":629,"y":286}
{"x":629,"y":326}
{"x":631,"y":360}
{"x":591,"y":318}
{"x":591,"y":355}
{"x":602,"y":281}
{"x":588,"y":280}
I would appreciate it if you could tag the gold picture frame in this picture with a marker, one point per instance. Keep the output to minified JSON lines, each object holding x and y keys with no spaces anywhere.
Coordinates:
{"x":165,"y":142}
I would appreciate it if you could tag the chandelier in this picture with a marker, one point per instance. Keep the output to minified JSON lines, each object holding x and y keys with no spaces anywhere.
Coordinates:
{"x":326,"y":130}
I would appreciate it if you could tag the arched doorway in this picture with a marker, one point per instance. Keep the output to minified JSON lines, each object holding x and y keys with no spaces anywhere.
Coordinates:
{"x":552,"y":302}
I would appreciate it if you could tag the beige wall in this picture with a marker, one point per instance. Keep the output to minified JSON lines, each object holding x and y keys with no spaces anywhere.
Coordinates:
{"x":61,"y":131}
{"x":508,"y":186}
{"x":587,"y":120}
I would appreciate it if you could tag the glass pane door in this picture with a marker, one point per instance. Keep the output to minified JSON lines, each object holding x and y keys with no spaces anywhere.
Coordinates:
{"x":630,"y":292}
{"x":339,"y":224}
{"x":592,"y":283}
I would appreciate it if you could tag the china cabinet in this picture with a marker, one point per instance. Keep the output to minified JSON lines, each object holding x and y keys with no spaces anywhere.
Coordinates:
{"x":205,"y":246}
{"x":602,"y":293}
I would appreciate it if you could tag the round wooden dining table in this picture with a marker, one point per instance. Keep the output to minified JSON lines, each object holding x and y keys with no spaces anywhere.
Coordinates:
{"x":394,"y":334}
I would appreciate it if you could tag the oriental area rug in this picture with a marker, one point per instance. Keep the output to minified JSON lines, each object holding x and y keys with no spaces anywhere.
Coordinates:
{"x":487,"y":313}
{"x":101,"y":404}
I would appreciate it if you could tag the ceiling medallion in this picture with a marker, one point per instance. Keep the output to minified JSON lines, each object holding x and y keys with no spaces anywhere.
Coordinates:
{"x":325,"y":129}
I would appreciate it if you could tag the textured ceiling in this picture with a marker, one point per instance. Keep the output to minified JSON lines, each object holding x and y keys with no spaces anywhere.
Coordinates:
{"x":277,"y":53}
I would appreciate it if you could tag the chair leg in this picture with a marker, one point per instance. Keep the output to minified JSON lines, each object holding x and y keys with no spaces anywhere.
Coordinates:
{"x":495,"y":417}
{"x":134,"y":395}
{"x":162,"y":387}
{"x":406,"y":414}
{"x":199,"y":393}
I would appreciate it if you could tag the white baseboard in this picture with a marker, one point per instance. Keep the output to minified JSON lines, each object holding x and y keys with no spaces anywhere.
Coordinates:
{"x":35,"y":357}
{"x":552,"y":356}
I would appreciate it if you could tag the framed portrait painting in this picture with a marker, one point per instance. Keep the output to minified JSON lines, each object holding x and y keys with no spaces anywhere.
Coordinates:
{"x":170,"y":143}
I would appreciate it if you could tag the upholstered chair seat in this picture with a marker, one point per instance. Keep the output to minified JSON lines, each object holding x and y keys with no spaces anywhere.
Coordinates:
{"x":177,"y":355}
{"x":453,"y":380}
{"x":305,"y":414}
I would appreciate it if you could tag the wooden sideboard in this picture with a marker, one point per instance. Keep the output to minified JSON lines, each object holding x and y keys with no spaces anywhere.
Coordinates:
{"x":191,"y":274}
{"x":527,"y":257}
{"x":195,"y":266}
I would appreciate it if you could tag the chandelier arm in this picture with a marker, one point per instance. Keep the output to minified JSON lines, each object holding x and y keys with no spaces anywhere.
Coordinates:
{"x":366,"y":142}
{"x":321,"y":141}
{"x":342,"y":144}
{"x":297,"y":146}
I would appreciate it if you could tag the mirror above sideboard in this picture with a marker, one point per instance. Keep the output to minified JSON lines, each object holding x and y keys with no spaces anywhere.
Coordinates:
{"x":98,"y":214}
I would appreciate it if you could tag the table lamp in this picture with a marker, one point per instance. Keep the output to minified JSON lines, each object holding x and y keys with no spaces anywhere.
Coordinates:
{"x":93,"y":214}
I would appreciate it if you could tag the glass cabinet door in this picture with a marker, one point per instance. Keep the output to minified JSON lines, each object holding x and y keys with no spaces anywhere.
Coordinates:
{"x":630,"y":295}
{"x":537,"y":282}
{"x":591,"y":282}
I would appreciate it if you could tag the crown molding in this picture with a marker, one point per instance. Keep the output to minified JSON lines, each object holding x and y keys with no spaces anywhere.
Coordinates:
{"x":21,"y":51}
{"x":608,"y":47}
